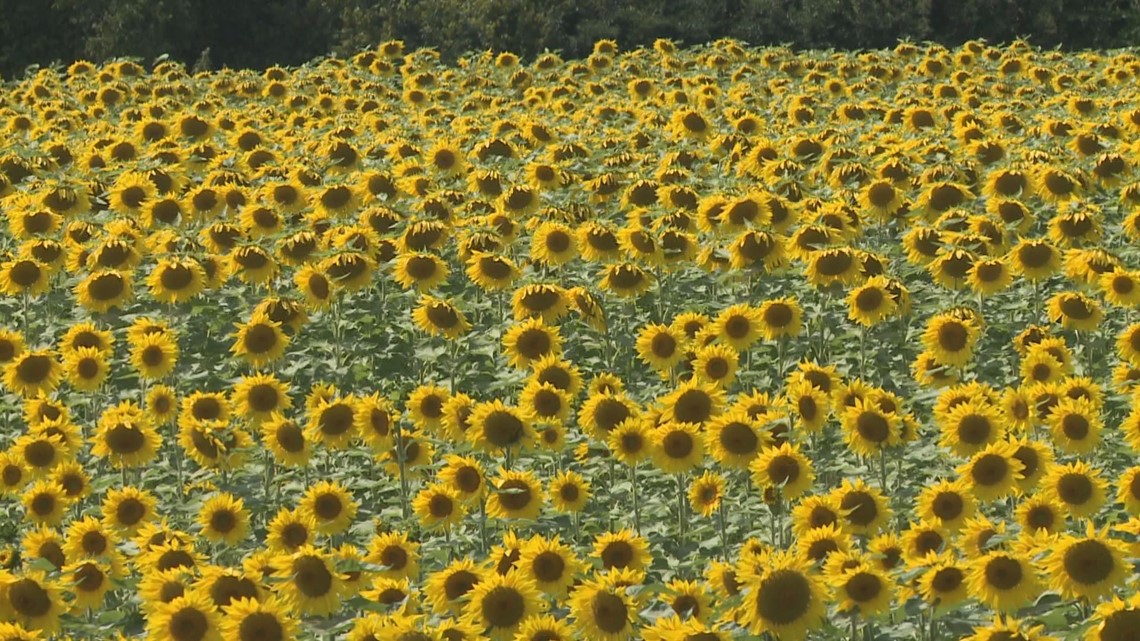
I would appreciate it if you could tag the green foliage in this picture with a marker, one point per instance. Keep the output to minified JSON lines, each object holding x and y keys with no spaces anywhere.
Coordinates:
{"x":259,"y":33}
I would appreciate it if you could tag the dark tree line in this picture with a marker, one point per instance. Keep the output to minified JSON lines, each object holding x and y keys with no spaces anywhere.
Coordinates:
{"x":259,"y":33}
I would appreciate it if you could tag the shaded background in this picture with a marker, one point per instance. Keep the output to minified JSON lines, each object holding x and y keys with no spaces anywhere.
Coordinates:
{"x":260,"y":33}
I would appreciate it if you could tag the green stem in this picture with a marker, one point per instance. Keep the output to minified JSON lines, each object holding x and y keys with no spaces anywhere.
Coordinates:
{"x":636,"y":503}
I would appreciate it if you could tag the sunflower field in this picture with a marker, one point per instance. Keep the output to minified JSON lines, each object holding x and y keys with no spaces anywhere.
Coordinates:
{"x":669,"y":344}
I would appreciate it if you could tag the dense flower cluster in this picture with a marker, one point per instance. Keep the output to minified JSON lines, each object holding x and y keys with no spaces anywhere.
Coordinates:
{"x":672,"y":344}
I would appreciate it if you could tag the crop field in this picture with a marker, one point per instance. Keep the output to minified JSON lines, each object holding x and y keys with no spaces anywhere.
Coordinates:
{"x":675,"y":344}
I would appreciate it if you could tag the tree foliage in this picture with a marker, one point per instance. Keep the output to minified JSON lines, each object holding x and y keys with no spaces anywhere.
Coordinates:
{"x":259,"y":33}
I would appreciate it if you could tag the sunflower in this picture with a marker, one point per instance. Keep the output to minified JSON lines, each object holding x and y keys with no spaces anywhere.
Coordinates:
{"x":943,"y":584}
{"x":810,"y":405}
{"x":393,"y":550}
{"x":602,"y":611}
{"x":531,"y":340}
{"x":439,"y":317}
{"x":32,"y":600}
{"x":550,"y":564}
{"x":660,"y":346}
{"x":86,"y":368}
{"x":154,"y":355}
{"x":626,"y":280}
{"x":780,"y":318}
{"x":946,"y":503}
{"x":783,"y":468}
{"x":715,"y":364}
{"x":438,"y":506}
{"x":864,"y":589}
{"x":970,"y":426}
{"x":1088,"y":566}
{"x":259,"y":341}
{"x":1076,"y":486}
{"x":553,"y":244}
{"x":869,"y":430}
{"x":308,"y":580}
{"x":950,"y":340}
{"x":495,"y":427}
{"x":501,"y":602}
{"x":258,"y":620}
{"x":330,"y":505}
{"x":1115,"y":620}
{"x":706,"y":492}
{"x":1075,"y":426}
{"x":290,"y":530}
{"x":317,"y":286}
{"x":447,"y":589}
{"x":33,"y":373}
{"x":128,"y":508}
{"x":735,"y":439}
{"x":1121,"y":288}
{"x":1035,"y":259}
{"x":739,"y":326}
{"x":787,"y":600}
{"x":491,"y":272}
{"x":871,"y":302}
{"x":622,"y":550}
{"x":189,"y":617}
{"x":1004,"y":581}
{"x":517,"y":495}
{"x":286,"y":441}
{"x":603,"y":412}
{"x":24,"y":276}
{"x":992,"y":472}
{"x":77,"y":336}
{"x":1041,"y":513}
{"x":125,"y":437}
{"x":422,"y":270}
{"x":865,"y":509}
{"x":677,"y":447}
